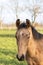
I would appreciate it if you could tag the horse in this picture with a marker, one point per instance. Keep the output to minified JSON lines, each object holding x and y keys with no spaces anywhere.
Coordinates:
{"x":29,"y":43}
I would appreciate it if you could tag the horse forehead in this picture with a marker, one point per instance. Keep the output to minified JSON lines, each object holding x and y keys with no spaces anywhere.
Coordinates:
{"x":22,"y":31}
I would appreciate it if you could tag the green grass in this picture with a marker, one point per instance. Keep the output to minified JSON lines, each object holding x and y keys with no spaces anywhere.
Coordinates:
{"x":7,"y":31}
{"x":41,"y":31}
{"x":8,"y":49}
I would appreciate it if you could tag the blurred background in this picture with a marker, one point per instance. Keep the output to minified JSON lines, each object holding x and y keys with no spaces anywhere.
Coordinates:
{"x":10,"y":11}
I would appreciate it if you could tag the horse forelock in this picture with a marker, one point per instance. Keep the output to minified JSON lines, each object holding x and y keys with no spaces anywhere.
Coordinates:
{"x":22,"y":25}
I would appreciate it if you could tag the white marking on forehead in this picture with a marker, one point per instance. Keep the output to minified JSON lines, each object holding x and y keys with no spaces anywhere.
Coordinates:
{"x":21,"y":33}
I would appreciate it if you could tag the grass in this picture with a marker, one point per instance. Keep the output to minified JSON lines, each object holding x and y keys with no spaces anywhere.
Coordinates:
{"x":8,"y":49}
{"x":41,"y":31}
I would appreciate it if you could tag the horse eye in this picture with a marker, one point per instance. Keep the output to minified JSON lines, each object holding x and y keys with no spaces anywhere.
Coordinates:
{"x":22,"y":34}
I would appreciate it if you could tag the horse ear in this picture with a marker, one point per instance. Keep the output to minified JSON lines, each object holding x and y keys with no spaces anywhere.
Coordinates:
{"x":28,"y":23}
{"x":17,"y":22}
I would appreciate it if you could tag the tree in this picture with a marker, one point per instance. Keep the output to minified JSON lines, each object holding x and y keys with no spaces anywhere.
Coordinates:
{"x":1,"y":8}
{"x":35,"y":11}
{"x":16,"y":9}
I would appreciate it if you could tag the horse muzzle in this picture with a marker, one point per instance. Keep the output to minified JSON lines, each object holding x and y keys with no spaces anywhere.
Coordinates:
{"x":21,"y":58}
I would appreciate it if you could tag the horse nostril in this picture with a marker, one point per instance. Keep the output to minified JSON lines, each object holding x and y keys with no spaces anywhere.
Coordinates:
{"x":20,"y":58}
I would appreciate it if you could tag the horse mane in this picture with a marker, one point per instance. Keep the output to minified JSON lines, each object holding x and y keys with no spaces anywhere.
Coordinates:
{"x":36,"y":34}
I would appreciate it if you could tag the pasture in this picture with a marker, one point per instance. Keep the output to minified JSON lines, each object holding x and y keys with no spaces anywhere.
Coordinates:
{"x":8,"y":49}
